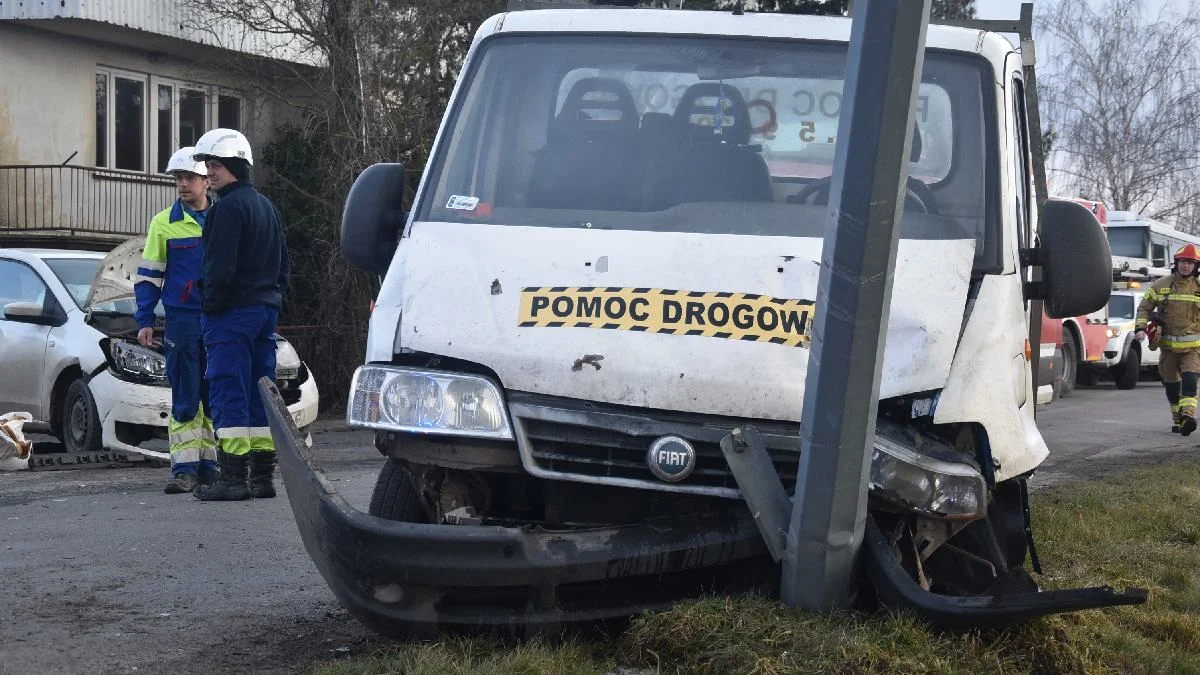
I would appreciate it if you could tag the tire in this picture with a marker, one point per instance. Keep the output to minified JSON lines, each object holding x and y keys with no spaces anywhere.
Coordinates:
{"x":1126,"y":373}
{"x":396,"y":496}
{"x":80,"y":422}
{"x":1070,"y":367}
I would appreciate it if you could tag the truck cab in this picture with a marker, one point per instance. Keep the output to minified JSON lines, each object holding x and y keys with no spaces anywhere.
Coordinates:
{"x":611,"y":262}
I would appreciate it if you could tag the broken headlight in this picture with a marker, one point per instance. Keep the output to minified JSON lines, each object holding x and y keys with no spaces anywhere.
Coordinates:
{"x":427,"y":401}
{"x":287,"y":361}
{"x":933,"y":487}
{"x":135,"y":362}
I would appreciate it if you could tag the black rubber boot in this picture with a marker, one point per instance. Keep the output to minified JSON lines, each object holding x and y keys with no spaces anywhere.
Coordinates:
{"x":231,"y":483}
{"x":1187,"y":423}
{"x":262,"y":468}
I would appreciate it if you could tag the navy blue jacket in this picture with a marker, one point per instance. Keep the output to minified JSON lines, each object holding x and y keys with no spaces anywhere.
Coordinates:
{"x":245,"y":253}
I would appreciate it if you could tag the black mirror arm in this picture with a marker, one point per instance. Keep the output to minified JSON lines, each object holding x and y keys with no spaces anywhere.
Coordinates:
{"x":1034,"y":257}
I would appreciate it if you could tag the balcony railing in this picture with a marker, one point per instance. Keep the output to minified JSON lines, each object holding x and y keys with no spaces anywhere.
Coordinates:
{"x":78,"y":200}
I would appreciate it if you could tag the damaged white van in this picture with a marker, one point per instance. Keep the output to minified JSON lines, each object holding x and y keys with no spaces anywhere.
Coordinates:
{"x":611,"y":263}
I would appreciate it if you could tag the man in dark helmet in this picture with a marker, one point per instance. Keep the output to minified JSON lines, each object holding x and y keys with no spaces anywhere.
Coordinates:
{"x":1177,"y":299}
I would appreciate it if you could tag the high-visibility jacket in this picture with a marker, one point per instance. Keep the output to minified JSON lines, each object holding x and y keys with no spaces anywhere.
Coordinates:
{"x":171,"y":263}
{"x":1178,"y":302}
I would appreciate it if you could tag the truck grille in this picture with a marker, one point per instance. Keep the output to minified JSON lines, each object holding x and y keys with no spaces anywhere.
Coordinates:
{"x":565,"y":439}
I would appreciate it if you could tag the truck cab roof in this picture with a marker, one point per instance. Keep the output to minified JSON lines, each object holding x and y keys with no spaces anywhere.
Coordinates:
{"x":992,"y":46}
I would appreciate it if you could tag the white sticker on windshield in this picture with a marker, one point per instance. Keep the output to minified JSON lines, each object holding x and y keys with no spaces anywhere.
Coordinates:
{"x":460,"y":203}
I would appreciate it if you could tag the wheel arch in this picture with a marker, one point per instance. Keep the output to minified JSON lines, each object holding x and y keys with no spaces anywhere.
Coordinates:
{"x":1071,"y":328}
{"x":62,"y":381}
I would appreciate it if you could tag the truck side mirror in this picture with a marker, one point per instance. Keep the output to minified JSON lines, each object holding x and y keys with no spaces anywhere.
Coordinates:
{"x":1076,"y":263}
{"x":373,"y":217}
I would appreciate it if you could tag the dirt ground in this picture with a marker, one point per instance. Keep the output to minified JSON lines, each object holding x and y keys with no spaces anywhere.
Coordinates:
{"x":103,"y":573}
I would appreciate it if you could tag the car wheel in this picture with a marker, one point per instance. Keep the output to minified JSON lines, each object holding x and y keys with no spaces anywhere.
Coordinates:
{"x":80,"y":421}
{"x":396,"y":496}
{"x":1069,"y":368}
{"x":1126,"y":373}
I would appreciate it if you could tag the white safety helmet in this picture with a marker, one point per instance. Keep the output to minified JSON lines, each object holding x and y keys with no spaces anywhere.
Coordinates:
{"x":223,"y":144}
{"x":182,"y":161}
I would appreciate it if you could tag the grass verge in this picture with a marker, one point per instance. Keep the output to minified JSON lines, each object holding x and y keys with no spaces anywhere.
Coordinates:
{"x":1141,"y":528}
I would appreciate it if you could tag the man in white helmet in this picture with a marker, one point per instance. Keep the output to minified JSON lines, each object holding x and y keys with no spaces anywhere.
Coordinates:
{"x":170,"y":272}
{"x":245,"y":274}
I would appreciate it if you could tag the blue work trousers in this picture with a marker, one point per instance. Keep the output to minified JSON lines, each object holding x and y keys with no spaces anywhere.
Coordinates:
{"x":241,"y":349}
{"x":193,"y":446}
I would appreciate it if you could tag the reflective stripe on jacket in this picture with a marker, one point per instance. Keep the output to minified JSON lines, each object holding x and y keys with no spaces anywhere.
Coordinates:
{"x":170,"y":265}
{"x":1178,"y":302}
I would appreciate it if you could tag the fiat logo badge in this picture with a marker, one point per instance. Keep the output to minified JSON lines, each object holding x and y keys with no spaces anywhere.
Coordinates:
{"x":671,"y":458}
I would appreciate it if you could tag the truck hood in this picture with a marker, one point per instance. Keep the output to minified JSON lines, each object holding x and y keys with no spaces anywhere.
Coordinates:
{"x":627,"y":317}
{"x":115,"y":278}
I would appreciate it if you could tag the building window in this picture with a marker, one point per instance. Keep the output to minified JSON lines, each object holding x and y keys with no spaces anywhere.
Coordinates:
{"x":126,"y":128}
{"x":101,"y":119}
{"x":229,"y":112}
{"x":165,"y":107}
{"x":129,"y":120}
{"x":191,"y":117}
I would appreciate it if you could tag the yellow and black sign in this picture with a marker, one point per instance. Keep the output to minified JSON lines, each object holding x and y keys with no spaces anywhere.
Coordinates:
{"x":733,"y":316}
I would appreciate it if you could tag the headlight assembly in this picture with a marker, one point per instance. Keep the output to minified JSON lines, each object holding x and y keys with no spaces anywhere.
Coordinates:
{"x":933,"y":487}
{"x":287,"y":361}
{"x":427,"y":401}
{"x":136,"y":362}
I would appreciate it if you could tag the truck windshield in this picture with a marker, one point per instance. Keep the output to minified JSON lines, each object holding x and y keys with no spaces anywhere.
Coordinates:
{"x":720,"y":136}
{"x":1121,"y":307}
{"x":1128,"y":241}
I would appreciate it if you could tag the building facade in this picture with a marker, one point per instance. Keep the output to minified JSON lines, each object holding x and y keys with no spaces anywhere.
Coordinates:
{"x":95,"y":96}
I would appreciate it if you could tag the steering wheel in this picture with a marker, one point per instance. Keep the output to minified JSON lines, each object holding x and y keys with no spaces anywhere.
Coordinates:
{"x":919,"y":196}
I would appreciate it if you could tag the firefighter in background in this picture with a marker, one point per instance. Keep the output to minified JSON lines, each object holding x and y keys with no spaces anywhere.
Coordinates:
{"x":169,"y":271}
{"x":245,"y":273}
{"x":1176,"y":297}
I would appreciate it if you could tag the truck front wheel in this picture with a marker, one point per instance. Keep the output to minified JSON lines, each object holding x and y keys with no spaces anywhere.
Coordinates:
{"x":396,"y":496}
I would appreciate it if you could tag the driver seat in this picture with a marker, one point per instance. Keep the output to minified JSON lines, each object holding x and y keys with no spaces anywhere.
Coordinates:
{"x":590,"y":155}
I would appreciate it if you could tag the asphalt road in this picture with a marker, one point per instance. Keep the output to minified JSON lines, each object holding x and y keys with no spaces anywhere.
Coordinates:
{"x":102,"y":572}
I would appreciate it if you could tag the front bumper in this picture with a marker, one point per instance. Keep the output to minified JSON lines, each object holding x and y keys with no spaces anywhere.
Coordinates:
{"x":408,"y":579}
{"x":129,"y":403}
{"x":149,"y":406}
{"x":412,"y":579}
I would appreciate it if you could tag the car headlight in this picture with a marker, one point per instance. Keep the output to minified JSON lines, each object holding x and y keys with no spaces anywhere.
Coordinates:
{"x":287,"y":361}
{"x":929,"y":486}
{"x":137,"y":361}
{"x":427,"y":401}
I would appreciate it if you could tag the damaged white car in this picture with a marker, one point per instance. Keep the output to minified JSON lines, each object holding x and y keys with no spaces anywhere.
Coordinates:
{"x":70,"y":356}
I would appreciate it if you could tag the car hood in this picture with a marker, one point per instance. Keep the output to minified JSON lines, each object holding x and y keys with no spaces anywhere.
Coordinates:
{"x":116,"y":276}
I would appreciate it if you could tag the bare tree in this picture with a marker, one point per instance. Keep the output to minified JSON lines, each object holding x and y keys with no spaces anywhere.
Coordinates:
{"x":378,"y":77}
{"x":1121,"y":93}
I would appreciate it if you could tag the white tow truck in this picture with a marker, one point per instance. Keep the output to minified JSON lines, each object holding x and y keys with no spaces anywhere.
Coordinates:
{"x":612,"y":261}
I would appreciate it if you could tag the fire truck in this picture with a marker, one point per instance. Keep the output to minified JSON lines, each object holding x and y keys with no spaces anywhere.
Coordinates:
{"x":1073,"y":349}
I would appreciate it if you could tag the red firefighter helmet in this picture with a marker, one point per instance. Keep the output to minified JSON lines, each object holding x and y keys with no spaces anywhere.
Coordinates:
{"x":1188,"y":252}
